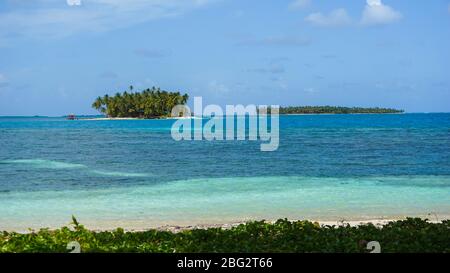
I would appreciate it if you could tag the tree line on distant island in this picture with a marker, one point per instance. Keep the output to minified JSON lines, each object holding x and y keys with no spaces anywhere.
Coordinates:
{"x":150,"y":103}
{"x":336,"y":110}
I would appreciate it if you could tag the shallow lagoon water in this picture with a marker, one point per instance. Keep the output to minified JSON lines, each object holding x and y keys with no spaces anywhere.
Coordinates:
{"x":133,"y":174}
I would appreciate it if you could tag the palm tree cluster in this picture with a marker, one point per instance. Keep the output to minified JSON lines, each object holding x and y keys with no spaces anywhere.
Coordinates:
{"x":150,"y":103}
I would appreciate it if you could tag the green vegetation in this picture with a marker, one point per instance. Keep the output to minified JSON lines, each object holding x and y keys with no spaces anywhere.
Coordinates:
{"x":411,"y":235}
{"x":156,"y":103}
{"x":150,"y":103}
{"x":336,"y":110}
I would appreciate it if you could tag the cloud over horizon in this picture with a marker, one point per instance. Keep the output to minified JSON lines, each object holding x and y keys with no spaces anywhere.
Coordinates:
{"x":50,"y":19}
{"x":74,"y":2}
{"x":299,"y":4}
{"x":377,"y":13}
{"x":374,"y":13}
{"x":337,"y":17}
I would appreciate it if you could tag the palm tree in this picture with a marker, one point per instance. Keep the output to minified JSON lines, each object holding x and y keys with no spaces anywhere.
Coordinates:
{"x":98,"y":103}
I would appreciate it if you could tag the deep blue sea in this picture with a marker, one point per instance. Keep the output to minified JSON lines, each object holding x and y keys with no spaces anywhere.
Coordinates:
{"x":131,"y":173}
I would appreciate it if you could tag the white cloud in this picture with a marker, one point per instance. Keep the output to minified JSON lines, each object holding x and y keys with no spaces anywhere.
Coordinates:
{"x":338,"y":17}
{"x":299,"y":4}
{"x":48,"y":19}
{"x":377,"y":13}
{"x":74,"y":2}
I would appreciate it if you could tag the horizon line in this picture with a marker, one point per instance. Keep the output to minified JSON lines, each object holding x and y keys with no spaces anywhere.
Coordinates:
{"x":92,"y":115}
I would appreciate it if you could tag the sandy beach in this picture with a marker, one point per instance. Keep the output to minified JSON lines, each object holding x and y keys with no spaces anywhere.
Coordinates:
{"x":376,"y":222}
{"x":143,"y":225}
{"x":353,"y":223}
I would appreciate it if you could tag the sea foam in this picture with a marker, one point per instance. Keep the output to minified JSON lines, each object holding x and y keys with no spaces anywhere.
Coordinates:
{"x":119,"y":174}
{"x":44,"y":164}
{"x":51,"y":164}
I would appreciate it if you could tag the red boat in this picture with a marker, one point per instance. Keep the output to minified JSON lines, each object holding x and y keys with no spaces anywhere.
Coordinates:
{"x":71,"y":117}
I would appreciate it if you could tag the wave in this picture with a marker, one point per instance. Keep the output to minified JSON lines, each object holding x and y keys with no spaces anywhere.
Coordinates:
{"x":55,"y":165}
{"x":120,"y":174}
{"x":44,"y":164}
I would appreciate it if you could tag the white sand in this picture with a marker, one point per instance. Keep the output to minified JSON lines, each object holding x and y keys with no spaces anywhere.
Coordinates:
{"x":135,"y":227}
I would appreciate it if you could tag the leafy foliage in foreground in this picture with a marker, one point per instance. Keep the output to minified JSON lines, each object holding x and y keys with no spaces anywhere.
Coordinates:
{"x":411,"y":235}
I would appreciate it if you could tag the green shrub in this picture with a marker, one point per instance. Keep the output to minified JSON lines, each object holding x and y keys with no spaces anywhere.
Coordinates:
{"x":411,"y":235}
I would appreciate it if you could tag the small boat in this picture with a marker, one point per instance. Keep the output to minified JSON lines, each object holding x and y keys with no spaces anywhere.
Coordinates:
{"x":71,"y":117}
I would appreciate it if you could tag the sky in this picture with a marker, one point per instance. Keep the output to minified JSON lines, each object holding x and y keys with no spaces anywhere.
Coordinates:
{"x":57,"y":56}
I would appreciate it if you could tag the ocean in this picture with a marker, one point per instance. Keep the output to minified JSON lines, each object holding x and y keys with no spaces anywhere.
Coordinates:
{"x":132,"y":174}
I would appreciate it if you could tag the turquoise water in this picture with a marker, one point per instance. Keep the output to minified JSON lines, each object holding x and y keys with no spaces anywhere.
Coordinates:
{"x":133,"y":174}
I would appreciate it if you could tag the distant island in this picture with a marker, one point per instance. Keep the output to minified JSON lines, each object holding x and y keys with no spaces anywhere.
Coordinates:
{"x":336,"y":110}
{"x":156,"y":103}
{"x":149,"y":104}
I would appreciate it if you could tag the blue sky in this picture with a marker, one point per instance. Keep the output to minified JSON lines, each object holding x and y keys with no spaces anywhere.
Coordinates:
{"x":57,"y":56}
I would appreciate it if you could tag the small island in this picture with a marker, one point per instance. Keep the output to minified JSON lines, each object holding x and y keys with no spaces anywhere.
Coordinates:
{"x":151,"y":103}
{"x":291,"y":110}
